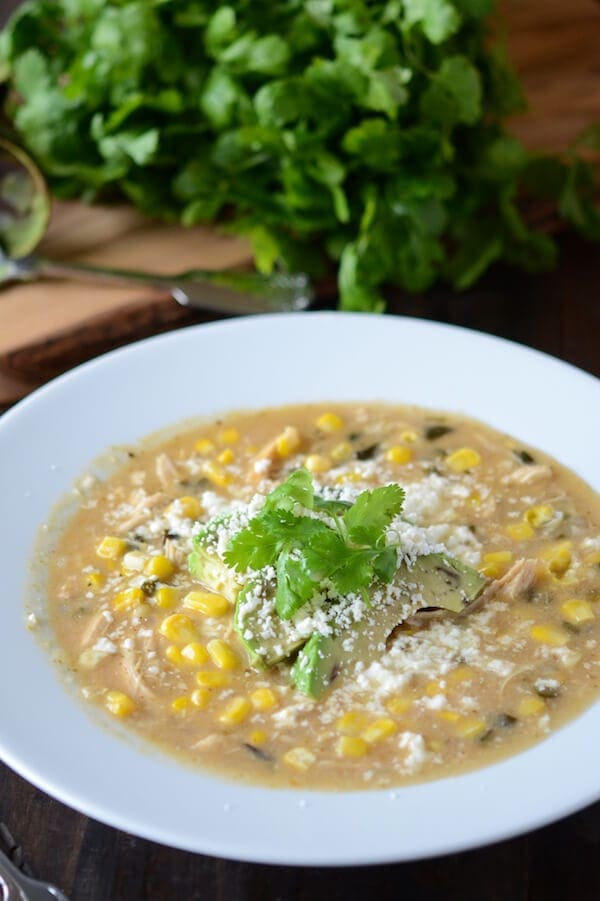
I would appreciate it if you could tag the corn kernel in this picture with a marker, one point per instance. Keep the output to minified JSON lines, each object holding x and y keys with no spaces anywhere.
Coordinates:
{"x":450,"y":716}
{"x":470,"y":727}
{"x":188,"y":507}
{"x":195,"y":653}
{"x":204,"y":447}
{"x":216,"y":474}
{"x":552,"y":635}
{"x":165,"y":598}
{"x":558,"y":558}
{"x":398,"y":454}
{"x":235,"y":711}
{"x":112,"y":548}
{"x":228,"y":436}
{"x":200,"y":697}
{"x":181,"y":705}
{"x":496,"y":563}
{"x":94,"y":579}
{"x":379,"y":730}
{"x":329,"y":422}
{"x":353,"y":476}
{"x":351,"y":723}
{"x":222,"y":655}
{"x":540,"y":515}
{"x":474,"y":499}
{"x":317,"y":463}
{"x":460,"y":674}
{"x":577,"y":611}
{"x":213,"y":679}
{"x":159,"y":566}
{"x":257,"y":737}
{"x":119,"y":704}
{"x":434,"y":688}
{"x":519,"y":531}
{"x":226,"y":456}
{"x":350,"y":746}
{"x":341,"y":452}
{"x":593,"y":558}
{"x":531,"y":706}
{"x":263,"y":699}
{"x":173,"y":655}
{"x":131,"y":597}
{"x":409,"y":436}
{"x":288,"y":442}
{"x":179,"y":628}
{"x":300,"y":758}
{"x":398,"y":706}
{"x":463,"y":459}
{"x":204,"y":602}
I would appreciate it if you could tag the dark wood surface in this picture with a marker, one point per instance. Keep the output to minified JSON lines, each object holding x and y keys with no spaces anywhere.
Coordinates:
{"x":558,"y":313}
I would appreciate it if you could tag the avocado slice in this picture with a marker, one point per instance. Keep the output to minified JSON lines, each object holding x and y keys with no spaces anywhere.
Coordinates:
{"x":267,"y":638}
{"x":443,"y":582}
{"x":211,"y":571}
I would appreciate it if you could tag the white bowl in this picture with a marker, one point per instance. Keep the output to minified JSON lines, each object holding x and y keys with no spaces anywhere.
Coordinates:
{"x":50,"y":439}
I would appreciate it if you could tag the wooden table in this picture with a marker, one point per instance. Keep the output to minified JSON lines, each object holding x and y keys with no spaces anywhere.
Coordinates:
{"x":558,"y":313}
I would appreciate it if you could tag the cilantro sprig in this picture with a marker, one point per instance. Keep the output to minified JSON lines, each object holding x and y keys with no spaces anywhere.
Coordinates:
{"x":367,"y":136}
{"x":308,"y":554}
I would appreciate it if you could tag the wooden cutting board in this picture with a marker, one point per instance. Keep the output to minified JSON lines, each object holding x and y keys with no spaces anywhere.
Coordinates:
{"x":47,"y":327}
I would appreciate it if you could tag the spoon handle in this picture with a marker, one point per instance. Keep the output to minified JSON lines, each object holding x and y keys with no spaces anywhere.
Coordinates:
{"x":226,"y":291}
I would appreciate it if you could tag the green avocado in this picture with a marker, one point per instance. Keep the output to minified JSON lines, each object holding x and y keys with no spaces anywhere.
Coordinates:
{"x":213,"y":573}
{"x":250,"y":624}
{"x":443,"y":581}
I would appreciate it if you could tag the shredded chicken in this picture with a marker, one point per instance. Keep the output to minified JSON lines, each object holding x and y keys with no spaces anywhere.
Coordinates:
{"x":269,"y":460}
{"x":132,"y":670}
{"x":93,"y":629}
{"x":528,"y":475}
{"x":141,"y":512}
{"x":515,"y":582}
{"x":166,"y":470}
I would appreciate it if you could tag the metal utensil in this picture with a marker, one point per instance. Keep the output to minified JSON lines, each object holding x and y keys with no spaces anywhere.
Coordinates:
{"x":24,"y":214}
{"x":15,"y":885}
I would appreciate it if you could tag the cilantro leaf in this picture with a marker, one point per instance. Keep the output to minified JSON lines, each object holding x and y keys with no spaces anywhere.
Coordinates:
{"x":297,"y":489}
{"x":371,"y":514}
{"x":295,"y":586}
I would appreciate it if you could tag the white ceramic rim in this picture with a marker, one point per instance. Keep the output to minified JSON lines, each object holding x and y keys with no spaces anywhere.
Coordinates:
{"x":50,"y":438}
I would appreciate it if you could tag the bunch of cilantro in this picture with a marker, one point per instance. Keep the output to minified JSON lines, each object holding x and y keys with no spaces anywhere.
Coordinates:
{"x":308,"y":553}
{"x":364,"y":134}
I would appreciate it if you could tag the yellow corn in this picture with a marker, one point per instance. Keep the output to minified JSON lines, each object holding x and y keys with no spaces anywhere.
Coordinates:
{"x":263,"y":699}
{"x":179,"y":628}
{"x":558,"y":558}
{"x":352,"y":476}
{"x":577,"y":611}
{"x":204,"y":447}
{"x":317,"y":463}
{"x":531,"y":706}
{"x":593,"y":558}
{"x":235,"y":711}
{"x":398,"y":706}
{"x":349,"y":746}
{"x":173,"y":655}
{"x":496,"y":563}
{"x":112,"y":548}
{"x":195,"y":653}
{"x":213,"y":679}
{"x":228,"y":436}
{"x":329,"y":422}
{"x":131,"y":597}
{"x":552,"y":635}
{"x":159,"y":566}
{"x":165,"y":598}
{"x":474,"y":499}
{"x":409,"y":436}
{"x":539,"y":515}
{"x":200,"y":697}
{"x":300,"y":758}
{"x":341,"y":452}
{"x":222,"y":655}
{"x":460,"y":674}
{"x":450,"y":716}
{"x":204,"y":602}
{"x":519,"y":531}
{"x":470,"y":727}
{"x":226,"y":456}
{"x":463,"y":459}
{"x":188,"y":507}
{"x":257,"y":737}
{"x":288,"y":442}
{"x":398,"y":454}
{"x":181,"y":705}
{"x":94,"y":579}
{"x":351,"y":723}
{"x":118,"y":703}
{"x":433,"y":688}
{"x":216,"y":474}
{"x":379,"y":730}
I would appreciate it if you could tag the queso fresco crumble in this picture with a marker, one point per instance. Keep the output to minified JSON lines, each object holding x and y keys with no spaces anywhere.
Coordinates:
{"x":336,"y":596}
